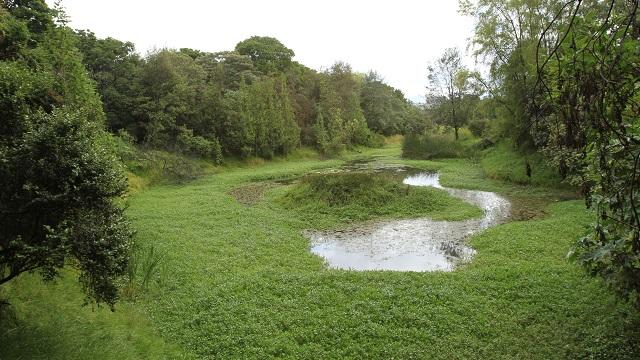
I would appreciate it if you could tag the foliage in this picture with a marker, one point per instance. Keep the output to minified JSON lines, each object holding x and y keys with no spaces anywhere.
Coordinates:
{"x":366,"y":195}
{"x":451,"y":94}
{"x":566,"y":75}
{"x":58,"y":182}
{"x":58,"y":177}
{"x":260,"y":120}
{"x":386,"y":109}
{"x":477,"y":126}
{"x":432,"y":146}
{"x":505,"y":38}
{"x":504,"y":162}
{"x":255,"y":290}
{"x":114,"y":66}
{"x":340,"y":121}
{"x":587,"y":123}
{"x":267,"y":53}
{"x":252,"y":101}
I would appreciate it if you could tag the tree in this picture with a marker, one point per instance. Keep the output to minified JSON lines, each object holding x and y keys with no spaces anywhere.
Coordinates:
{"x":58,"y":177}
{"x":587,"y":121}
{"x":384,"y":107}
{"x":449,"y":85}
{"x":267,"y":53}
{"x":505,"y":37}
{"x":260,"y":120}
{"x":180,"y":105}
{"x":114,"y":66}
{"x":228,"y":69}
{"x":304,"y":91}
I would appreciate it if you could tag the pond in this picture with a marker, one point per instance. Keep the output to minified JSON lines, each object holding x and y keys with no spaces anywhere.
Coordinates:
{"x":411,"y":244}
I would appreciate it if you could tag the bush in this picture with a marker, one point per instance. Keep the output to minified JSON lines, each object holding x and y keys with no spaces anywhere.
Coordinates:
{"x":375,"y":140}
{"x":122,"y":144}
{"x":432,"y":146}
{"x":199,"y":146}
{"x":162,"y":167}
{"x":478,"y":127}
{"x":59,"y":187}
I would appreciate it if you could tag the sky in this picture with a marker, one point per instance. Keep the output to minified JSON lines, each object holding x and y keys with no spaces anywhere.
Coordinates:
{"x":397,"y":39}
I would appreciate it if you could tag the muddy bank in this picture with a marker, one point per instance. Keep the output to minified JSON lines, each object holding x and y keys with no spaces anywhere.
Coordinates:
{"x":251,"y":193}
{"x":414,"y":244}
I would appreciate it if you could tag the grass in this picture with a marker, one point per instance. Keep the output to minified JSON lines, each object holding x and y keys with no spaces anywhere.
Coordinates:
{"x":504,"y":163}
{"x":353,"y":196}
{"x":49,"y":322}
{"x":243,"y":284}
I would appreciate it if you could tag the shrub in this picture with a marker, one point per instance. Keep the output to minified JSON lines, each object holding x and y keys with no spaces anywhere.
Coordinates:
{"x":432,"y":146}
{"x":375,"y":140}
{"x":477,"y":127}
{"x":199,"y":146}
{"x":161,"y":167}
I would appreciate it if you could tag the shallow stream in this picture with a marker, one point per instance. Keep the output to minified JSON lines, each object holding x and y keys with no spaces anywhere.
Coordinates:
{"x":413,"y":244}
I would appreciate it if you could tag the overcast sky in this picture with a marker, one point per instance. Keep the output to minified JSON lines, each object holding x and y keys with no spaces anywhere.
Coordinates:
{"x":396,"y":38}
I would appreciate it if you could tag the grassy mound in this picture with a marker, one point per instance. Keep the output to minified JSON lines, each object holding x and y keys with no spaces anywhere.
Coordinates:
{"x":502,"y":162}
{"x":366,"y":195}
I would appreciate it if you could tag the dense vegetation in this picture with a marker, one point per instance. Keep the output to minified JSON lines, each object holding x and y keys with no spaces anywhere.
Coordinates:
{"x":246,"y":286}
{"x":60,"y":89}
{"x":253,"y":101}
{"x":58,"y":175}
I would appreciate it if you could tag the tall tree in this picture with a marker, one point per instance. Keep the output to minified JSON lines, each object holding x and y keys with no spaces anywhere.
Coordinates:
{"x":114,"y":66}
{"x":260,"y":120}
{"x":267,"y":53}
{"x":384,"y":107}
{"x":449,"y":84}
{"x":58,"y":178}
{"x":505,"y":37}
{"x":180,"y":106}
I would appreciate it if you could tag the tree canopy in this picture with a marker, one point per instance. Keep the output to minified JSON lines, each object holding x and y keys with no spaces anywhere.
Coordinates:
{"x":58,"y":177}
{"x":565,"y":78}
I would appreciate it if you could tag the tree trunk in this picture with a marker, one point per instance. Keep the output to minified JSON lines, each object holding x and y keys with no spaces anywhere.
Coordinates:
{"x":455,"y":130}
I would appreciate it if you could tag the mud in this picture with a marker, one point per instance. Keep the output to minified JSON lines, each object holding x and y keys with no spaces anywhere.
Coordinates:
{"x":250,"y":194}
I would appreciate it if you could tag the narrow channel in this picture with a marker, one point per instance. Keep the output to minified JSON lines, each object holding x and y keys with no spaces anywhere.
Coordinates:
{"x":411,"y":244}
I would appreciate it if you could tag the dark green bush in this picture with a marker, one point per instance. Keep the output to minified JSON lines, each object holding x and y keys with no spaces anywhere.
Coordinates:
{"x":375,"y":140}
{"x":504,"y":162}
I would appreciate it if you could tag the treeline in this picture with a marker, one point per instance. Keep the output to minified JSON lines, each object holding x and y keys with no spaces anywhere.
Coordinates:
{"x":252,"y":101}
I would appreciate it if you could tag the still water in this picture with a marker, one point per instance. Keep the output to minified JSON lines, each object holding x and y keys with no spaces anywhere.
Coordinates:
{"x":414,"y":244}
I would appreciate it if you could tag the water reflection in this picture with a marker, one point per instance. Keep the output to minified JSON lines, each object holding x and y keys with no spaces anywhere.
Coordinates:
{"x":410,"y":245}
